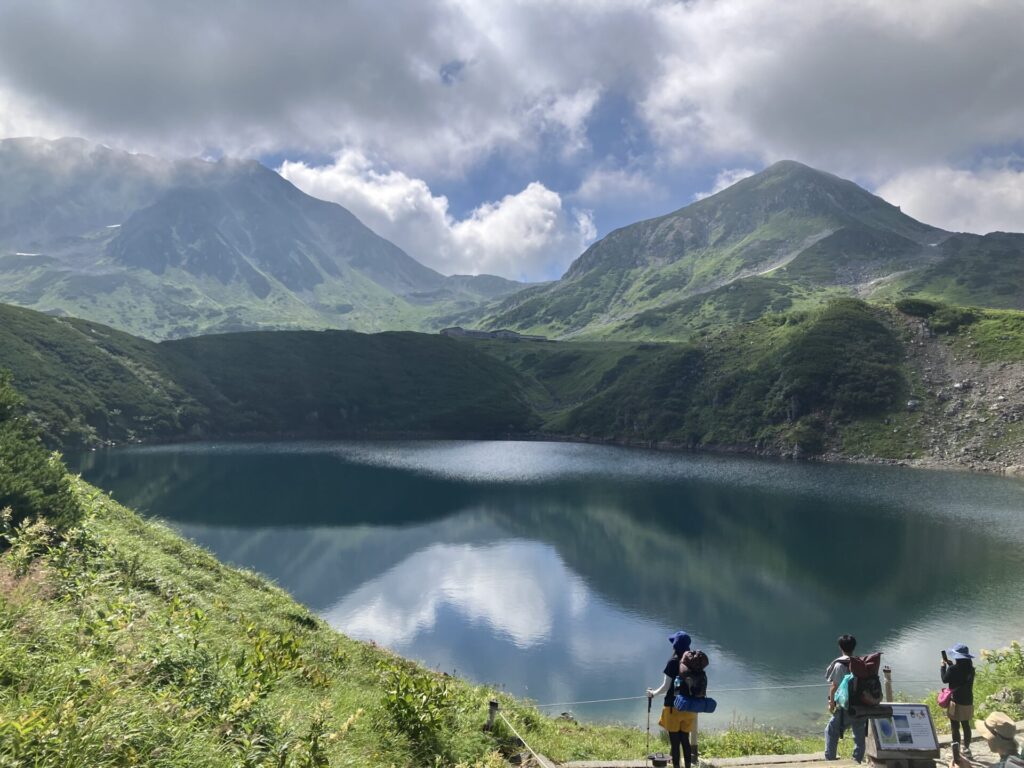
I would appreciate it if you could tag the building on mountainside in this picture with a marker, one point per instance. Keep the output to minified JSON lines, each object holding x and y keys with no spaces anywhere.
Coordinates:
{"x":501,"y":333}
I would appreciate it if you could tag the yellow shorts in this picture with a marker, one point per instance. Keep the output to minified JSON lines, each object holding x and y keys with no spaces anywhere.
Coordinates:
{"x":673,"y":721}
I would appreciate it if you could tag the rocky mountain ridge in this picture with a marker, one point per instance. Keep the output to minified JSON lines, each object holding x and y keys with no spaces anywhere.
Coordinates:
{"x":168,"y":249}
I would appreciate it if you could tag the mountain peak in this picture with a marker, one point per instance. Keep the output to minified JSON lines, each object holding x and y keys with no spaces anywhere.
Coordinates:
{"x":792,"y":188}
{"x":792,"y":171}
{"x":789,"y":166}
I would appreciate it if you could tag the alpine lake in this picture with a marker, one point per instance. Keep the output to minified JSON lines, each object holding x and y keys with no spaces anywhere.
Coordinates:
{"x":556,"y":571}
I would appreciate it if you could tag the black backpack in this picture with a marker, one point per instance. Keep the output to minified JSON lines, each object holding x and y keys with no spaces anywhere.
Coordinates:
{"x":692,"y":681}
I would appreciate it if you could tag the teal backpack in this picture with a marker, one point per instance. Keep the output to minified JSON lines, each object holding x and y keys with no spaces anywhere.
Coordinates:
{"x":842,"y":697}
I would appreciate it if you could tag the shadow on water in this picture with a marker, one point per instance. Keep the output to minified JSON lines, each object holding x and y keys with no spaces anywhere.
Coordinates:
{"x":470,"y":571}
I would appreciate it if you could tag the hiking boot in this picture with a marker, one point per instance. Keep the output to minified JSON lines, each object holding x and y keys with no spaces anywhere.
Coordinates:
{"x":966,"y":752}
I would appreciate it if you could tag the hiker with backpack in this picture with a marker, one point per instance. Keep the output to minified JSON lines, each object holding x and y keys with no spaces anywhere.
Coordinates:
{"x":685,"y":687}
{"x":957,"y":672}
{"x":838,"y":674}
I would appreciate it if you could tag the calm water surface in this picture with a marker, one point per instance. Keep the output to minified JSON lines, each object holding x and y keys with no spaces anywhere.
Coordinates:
{"x":558,"y":570}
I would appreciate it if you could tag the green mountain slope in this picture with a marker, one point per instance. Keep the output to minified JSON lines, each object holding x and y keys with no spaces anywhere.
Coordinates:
{"x":780,"y":384}
{"x":790,"y":237}
{"x":165,"y":249}
{"x":819,"y":227}
{"x":86,"y":383}
{"x":845,"y":377}
{"x":974,"y":270}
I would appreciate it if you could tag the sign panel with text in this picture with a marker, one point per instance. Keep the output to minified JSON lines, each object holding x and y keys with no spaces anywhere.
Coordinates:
{"x":909,"y":729}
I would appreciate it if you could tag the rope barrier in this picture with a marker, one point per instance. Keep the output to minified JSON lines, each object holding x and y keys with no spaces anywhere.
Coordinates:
{"x":591,"y":701}
{"x":528,"y":747}
{"x":720,"y":690}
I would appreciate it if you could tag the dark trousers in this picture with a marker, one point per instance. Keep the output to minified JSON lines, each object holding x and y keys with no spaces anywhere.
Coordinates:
{"x":680,"y":739}
{"x":966,"y":725}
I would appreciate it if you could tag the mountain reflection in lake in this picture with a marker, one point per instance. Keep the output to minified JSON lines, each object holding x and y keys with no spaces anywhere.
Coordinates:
{"x":558,"y":570}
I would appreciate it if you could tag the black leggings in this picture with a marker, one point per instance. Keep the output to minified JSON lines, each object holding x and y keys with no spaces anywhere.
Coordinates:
{"x":677,"y":738}
{"x":966,"y":725}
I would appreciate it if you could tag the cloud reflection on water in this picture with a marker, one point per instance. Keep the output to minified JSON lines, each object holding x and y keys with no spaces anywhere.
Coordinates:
{"x":512,"y":587}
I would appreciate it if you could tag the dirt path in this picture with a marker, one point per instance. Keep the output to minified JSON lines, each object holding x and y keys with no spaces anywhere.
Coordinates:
{"x":981,"y":757}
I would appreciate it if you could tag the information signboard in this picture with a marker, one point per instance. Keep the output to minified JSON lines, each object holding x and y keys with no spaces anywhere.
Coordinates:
{"x":910,"y":729}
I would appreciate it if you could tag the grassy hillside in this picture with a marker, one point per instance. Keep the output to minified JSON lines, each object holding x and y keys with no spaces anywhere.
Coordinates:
{"x":780,"y":384}
{"x":86,"y":383}
{"x":346,"y":383}
{"x":982,"y":271}
{"x":820,"y":377}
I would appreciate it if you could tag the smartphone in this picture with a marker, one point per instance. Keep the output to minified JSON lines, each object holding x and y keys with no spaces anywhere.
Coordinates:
{"x":945,"y":657}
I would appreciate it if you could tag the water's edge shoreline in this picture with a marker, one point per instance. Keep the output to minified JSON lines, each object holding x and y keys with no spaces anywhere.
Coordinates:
{"x":828,"y":457}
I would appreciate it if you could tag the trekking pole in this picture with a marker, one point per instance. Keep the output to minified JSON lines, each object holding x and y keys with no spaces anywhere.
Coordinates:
{"x":647,"y":754}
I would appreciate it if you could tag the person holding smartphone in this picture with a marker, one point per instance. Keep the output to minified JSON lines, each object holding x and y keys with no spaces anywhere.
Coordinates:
{"x":957,"y":672}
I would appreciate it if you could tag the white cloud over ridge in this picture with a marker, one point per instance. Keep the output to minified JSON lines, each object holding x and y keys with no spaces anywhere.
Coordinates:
{"x":724,"y":180}
{"x":983,"y":201}
{"x":523,"y":236}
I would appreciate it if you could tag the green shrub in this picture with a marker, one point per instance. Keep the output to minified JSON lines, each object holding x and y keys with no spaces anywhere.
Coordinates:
{"x":950,"y":319}
{"x":1000,"y":682}
{"x":422,"y":706}
{"x":33,"y":483}
{"x":917,"y":307}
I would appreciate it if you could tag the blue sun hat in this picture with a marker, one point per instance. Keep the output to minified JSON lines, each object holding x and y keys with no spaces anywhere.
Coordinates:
{"x":680,"y":642}
{"x":959,"y":651}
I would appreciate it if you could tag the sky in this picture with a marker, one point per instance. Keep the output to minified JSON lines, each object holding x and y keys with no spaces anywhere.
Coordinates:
{"x":492,"y":136}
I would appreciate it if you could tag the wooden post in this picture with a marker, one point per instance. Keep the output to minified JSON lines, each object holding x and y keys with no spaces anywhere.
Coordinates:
{"x":492,"y":710}
{"x":887,"y":674}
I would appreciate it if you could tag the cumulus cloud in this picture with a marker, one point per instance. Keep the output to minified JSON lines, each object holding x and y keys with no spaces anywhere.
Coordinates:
{"x":861,"y":87}
{"x":724,"y":180}
{"x":603,"y":184}
{"x":443,"y":88}
{"x":434,"y":84}
{"x":528,"y":235}
{"x":982,"y":201}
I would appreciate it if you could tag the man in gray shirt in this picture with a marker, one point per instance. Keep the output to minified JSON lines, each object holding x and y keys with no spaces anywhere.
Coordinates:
{"x":841,"y":719}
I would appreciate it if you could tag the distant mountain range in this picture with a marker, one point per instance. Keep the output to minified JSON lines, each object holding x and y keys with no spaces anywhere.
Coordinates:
{"x":167,"y":249}
{"x":787,"y":237}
